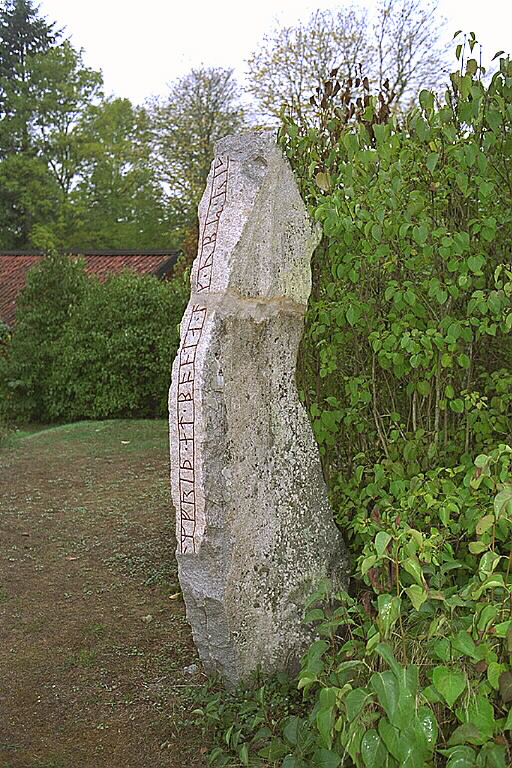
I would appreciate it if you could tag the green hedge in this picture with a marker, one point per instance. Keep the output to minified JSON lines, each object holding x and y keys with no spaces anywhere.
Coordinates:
{"x":83,"y":349}
{"x":406,"y":369}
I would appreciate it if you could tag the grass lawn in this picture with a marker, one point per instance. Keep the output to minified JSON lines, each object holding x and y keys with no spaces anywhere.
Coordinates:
{"x":94,"y":643}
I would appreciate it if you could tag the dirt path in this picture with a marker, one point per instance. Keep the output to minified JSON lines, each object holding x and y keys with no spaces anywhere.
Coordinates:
{"x":93,"y":642}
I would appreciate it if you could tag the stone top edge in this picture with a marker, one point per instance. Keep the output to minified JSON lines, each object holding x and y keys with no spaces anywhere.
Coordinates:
{"x":249,"y":141}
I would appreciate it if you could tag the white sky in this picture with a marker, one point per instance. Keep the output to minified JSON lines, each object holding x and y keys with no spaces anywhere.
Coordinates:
{"x":141,"y":47}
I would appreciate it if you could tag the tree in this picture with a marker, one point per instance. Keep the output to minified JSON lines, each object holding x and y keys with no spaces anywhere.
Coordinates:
{"x":201,"y":108}
{"x":23,"y":34}
{"x":117,"y":201}
{"x":293,"y":62}
{"x":409,"y":54}
{"x":65,"y":88}
{"x":29,"y":200}
{"x":40,"y":169}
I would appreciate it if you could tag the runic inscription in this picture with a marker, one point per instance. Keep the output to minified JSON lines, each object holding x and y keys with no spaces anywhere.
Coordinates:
{"x":185,"y":405}
{"x":211,"y":224}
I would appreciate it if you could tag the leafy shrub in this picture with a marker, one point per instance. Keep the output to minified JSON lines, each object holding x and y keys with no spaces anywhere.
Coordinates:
{"x":54,"y":288}
{"x":406,"y":370}
{"x":408,"y":352}
{"x":116,"y":352}
{"x":5,"y":335}
{"x":83,"y":349}
{"x":416,"y":669}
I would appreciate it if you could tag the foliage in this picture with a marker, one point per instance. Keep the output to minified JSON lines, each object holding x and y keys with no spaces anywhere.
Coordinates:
{"x":54,"y":287}
{"x":117,"y":201}
{"x":401,"y":47}
{"x":76,"y":169}
{"x":63,"y":89}
{"x":82,"y":349}
{"x":201,"y":108}
{"x":23,"y":36}
{"x":292,"y":62}
{"x":418,"y":670}
{"x":4,"y":332}
{"x":248,"y":719}
{"x":406,"y":371}
{"x":408,"y":337}
{"x":116,"y":352}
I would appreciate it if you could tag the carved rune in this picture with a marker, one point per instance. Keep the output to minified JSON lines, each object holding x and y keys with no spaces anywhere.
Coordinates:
{"x":185,"y":402}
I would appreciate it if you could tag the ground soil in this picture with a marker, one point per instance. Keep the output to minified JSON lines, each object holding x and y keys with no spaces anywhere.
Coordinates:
{"x":94,"y":645}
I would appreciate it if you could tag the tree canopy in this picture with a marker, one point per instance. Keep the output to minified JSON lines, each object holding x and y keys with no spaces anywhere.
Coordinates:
{"x":200,"y":108}
{"x":79,"y":170}
{"x":401,"y":46}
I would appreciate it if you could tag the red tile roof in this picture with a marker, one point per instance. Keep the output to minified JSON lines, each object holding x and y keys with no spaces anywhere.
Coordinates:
{"x":14,"y":266}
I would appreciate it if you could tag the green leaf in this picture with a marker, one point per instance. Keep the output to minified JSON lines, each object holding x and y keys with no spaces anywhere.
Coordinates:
{"x":460,"y":757}
{"x":290,"y":761}
{"x":428,"y":724}
{"x":412,"y":750}
{"x":457,"y":405}
{"x":388,"y":612}
{"x":426,"y":99}
{"x":494,"y":756}
{"x":449,"y":682}
{"x":480,"y":714}
{"x":475,"y":263}
{"x":315,"y":615}
{"x":441,"y":295}
{"x":386,"y":653}
{"x":376,"y":232}
{"x":243,"y":754}
{"x":323,"y":180}
{"x":417,"y":595}
{"x":355,"y":702}
{"x":494,"y":672}
{"x":464,"y":643}
{"x":373,"y":750}
{"x":291,"y":729}
{"x":496,"y":580}
{"x":325,"y":723}
{"x":432,"y":161}
{"x":382,"y":540}
{"x":502,"y":499}
{"x":390,"y":736}
{"x":385,"y":686}
{"x":483,"y":525}
{"x":324,"y":758}
{"x":420,"y":234}
{"x":502,"y":629}
{"x":412,"y":566}
{"x":471,"y":67}
{"x":477,"y":547}
{"x":353,"y":315}
{"x":422,"y":129}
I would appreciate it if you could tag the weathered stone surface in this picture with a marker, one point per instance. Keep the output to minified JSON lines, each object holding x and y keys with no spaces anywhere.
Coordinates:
{"x":254,"y":528}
